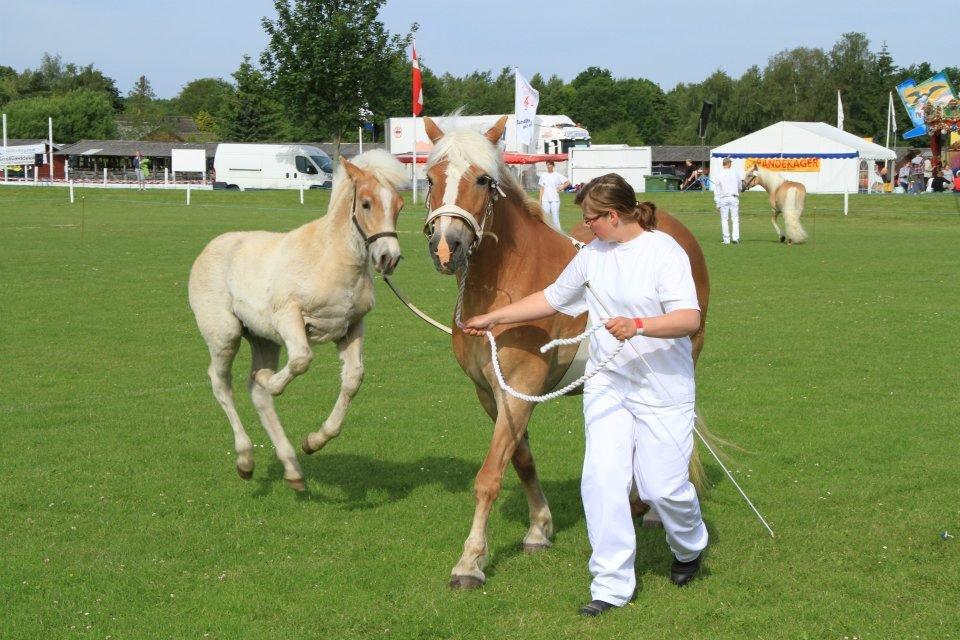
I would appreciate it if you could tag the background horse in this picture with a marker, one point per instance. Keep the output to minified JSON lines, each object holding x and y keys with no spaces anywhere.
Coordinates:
{"x":786,"y":197}
{"x":310,"y":285}
{"x":482,"y":226}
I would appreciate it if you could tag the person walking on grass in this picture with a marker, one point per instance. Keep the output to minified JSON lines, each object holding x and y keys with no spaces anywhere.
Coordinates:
{"x":551,"y":184}
{"x":726,"y":195}
{"x":639,"y":411}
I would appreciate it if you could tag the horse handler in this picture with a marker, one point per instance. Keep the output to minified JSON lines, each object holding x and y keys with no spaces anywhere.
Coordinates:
{"x":639,"y":411}
{"x":726,"y":195}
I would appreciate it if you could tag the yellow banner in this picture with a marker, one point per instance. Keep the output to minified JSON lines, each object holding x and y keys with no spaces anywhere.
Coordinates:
{"x":784,"y":164}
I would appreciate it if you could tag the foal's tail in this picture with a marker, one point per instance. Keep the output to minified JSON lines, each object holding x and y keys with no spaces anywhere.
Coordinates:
{"x":792,"y":210}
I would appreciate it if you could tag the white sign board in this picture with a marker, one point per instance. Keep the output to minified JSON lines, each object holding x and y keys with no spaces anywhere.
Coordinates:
{"x":20,"y":154}
{"x":189,"y":160}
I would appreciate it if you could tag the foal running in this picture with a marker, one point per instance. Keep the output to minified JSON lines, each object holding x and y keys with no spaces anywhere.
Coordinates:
{"x":310,"y":285}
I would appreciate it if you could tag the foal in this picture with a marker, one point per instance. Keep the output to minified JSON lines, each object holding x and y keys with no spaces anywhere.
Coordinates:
{"x":310,"y":285}
{"x":786,"y":197}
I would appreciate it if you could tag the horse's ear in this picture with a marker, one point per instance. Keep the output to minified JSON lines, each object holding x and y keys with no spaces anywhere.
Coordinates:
{"x":495,"y":132}
{"x":433,"y":131}
{"x":355,"y":172}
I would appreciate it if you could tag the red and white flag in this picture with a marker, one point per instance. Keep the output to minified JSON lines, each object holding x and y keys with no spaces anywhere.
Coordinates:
{"x":417,"y":83}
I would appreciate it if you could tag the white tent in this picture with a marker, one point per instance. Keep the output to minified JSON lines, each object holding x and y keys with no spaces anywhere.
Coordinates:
{"x":824,"y":159}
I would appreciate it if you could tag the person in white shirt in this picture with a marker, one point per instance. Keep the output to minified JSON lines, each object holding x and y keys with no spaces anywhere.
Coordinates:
{"x":639,"y":411}
{"x":726,"y":195}
{"x":551,"y":183}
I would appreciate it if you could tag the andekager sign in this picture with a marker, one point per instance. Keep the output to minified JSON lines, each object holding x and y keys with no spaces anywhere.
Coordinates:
{"x":21,"y":154}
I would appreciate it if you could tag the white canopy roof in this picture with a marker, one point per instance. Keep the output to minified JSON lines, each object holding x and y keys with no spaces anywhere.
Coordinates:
{"x":803,"y":139}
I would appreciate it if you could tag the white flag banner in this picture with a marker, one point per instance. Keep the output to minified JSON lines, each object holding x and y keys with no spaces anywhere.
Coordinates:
{"x":526,"y":99}
{"x":893,"y":113}
{"x":839,"y":112}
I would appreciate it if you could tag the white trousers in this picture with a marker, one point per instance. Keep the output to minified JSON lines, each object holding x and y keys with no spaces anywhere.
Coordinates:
{"x":729,"y":212}
{"x":552,"y":209}
{"x":626,"y":442}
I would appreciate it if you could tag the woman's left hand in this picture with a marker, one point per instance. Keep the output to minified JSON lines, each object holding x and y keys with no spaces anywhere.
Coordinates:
{"x":621,"y":328}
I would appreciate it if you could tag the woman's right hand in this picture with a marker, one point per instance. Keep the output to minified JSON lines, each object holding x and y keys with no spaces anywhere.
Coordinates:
{"x":479,"y":325}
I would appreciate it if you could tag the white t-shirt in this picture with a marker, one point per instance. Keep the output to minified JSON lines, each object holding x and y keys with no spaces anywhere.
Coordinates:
{"x":726,"y":183}
{"x":550,"y":183}
{"x":647,"y":276}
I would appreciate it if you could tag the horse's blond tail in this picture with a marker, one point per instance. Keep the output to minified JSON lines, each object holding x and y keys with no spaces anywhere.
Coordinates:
{"x":791,"y":216}
{"x":698,"y":475}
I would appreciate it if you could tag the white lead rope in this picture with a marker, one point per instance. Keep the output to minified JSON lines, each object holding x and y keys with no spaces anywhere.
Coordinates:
{"x":550,"y":345}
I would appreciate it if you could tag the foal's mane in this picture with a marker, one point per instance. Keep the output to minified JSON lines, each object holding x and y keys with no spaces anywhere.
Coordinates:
{"x":380,"y":163}
{"x":463,"y":147}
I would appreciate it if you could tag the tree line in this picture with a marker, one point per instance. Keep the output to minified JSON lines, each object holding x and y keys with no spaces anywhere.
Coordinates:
{"x":331,"y":65}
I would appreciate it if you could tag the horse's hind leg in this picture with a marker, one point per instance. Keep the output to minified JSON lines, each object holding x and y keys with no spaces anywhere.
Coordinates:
{"x":266,"y":354}
{"x":350,"y":348}
{"x":541,"y":521}
{"x":223,"y":341}
{"x":289,"y":324}
{"x":773,"y":219}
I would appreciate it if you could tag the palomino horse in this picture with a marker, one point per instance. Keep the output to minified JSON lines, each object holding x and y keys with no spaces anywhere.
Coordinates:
{"x":310,"y":285}
{"x":786,"y":197}
{"x":483,"y":227}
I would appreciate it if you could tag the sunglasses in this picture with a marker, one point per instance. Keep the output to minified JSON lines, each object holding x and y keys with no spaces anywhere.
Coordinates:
{"x":589,"y":220}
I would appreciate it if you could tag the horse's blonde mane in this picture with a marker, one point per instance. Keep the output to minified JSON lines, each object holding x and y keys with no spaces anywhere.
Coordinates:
{"x":463,"y":147}
{"x":387,"y":169}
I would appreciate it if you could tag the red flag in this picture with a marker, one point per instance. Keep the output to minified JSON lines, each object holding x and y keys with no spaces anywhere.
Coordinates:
{"x":417,"y":84}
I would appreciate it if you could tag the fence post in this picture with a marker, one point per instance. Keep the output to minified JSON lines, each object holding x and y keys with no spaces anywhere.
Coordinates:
{"x":165,"y":172}
{"x":104,"y":176}
{"x":188,"y":194}
{"x":71,"y":192}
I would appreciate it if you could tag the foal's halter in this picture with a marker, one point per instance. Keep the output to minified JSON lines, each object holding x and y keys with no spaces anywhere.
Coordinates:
{"x":456,"y":211}
{"x":367,"y":239}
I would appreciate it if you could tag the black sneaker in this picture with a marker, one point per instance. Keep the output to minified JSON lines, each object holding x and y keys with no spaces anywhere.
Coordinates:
{"x":683,"y":572}
{"x":595,"y":608}
{"x":736,"y":242}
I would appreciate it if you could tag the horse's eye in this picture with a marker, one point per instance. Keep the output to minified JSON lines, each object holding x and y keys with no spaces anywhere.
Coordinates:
{"x":483,"y":181}
{"x":366,"y":205}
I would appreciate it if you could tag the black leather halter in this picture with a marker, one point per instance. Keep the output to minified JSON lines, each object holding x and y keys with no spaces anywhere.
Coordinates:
{"x":368,"y":239}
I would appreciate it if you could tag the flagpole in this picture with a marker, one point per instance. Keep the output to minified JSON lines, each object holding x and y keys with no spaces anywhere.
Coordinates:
{"x":413,"y":108}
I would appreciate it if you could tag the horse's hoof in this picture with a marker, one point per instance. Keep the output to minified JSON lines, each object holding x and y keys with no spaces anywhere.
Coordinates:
{"x":297,"y":484}
{"x":465,"y":582}
{"x":783,"y":238}
{"x":244,"y":473}
{"x":534,"y":547}
{"x":307,"y":449}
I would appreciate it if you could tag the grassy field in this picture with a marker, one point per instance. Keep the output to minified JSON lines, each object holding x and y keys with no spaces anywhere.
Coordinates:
{"x":121,"y":515}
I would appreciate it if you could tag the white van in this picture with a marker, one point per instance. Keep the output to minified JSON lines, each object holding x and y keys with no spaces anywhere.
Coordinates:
{"x":271,"y":166}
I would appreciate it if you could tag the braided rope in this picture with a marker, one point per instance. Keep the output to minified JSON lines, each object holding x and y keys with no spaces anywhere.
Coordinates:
{"x":548,"y":346}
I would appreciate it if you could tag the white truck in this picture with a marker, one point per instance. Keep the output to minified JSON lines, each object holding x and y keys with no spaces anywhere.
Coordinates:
{"x":633,"y":163}
{"x":271,"y":166}
{"x":551,"y":134}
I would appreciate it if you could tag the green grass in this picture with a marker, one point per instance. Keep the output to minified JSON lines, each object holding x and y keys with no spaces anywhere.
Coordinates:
{"x":121,"y":514}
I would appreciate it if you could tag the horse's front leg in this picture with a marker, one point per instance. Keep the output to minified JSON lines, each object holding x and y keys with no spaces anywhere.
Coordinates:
{"x":289,"y":324}
{"x":541,"y":521}
{"x":350,"y":348}
{"x":511,"y":423}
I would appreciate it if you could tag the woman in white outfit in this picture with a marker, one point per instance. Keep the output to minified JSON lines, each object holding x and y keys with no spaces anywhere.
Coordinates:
{"x":639,"y":411}
{"x":551,"y":183}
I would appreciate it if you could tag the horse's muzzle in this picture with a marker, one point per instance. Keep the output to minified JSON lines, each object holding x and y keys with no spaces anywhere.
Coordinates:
{"x":449,"y":250}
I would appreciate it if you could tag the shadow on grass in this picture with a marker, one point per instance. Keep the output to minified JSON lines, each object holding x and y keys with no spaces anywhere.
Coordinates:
{"x":358,"y":482}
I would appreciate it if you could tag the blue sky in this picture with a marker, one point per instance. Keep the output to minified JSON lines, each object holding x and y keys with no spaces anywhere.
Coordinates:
{"x":175,"y":41}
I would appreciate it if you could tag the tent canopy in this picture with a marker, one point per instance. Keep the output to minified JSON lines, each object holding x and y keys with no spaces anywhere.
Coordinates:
{"x":803,"y":139}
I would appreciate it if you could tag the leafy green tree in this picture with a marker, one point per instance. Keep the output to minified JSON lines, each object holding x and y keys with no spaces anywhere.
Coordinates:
{"x":205,"y":94}
{"x":77,"y":115}
{"x":250,"y":114}
{"x":141,"y":109}
{"x":327,"y":59}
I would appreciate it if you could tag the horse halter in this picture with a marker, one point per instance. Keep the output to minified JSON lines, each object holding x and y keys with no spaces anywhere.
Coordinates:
{"x":456,"y":211}
{"x":368,"y":239}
